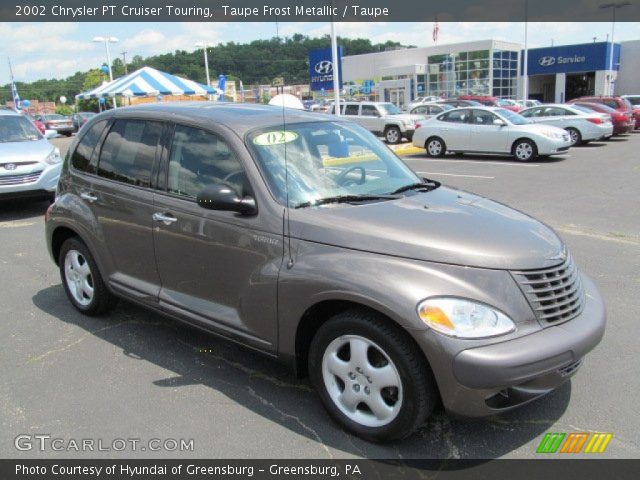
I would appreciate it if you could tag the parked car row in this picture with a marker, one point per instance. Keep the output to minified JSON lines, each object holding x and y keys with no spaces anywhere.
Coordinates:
{"x":540,"y":130}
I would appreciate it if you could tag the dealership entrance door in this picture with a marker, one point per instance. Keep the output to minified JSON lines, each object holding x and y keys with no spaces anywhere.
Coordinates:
{"x":580,"y":85}
{"x":543,"y":88}
{"x":396,"y":96}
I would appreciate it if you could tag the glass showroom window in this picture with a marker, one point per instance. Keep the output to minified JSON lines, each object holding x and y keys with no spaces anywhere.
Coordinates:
{"x":459,"y":73}
{"x":505,"y":73}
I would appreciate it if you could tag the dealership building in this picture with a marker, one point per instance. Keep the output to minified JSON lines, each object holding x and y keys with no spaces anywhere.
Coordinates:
{"x":490,"y":67}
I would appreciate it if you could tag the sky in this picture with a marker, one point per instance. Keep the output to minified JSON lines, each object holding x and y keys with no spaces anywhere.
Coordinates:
{"x":57,"y":50}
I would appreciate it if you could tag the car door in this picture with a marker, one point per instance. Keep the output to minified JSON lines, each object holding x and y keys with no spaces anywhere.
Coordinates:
{"x":370,"y":118}
{"x":218,"y":269}
{"x":485,"y":135}
{"x":121,"y":201}
{"x":453,"y":127}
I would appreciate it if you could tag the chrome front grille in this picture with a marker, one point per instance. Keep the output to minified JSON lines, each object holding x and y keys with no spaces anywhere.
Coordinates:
{"x":19,"y":179}
{"x":555,"y":294}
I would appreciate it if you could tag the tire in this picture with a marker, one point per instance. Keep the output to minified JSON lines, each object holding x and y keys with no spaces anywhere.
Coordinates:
{"x":435,"y":147}
{"x":81,"y":279}
{"x":524,"y":150}
{"x":392,"y":135}
{"x":398,"y":410}
{"x":575,"y":136}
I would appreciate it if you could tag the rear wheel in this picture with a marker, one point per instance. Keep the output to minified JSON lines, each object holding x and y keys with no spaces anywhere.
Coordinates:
{"x":371,"y":379}
{"x":392,"y":135}
{"x":435,"y":147}
{"x":574,"y":136}
{"x":81,"y":279}
{"x":524,"y":150}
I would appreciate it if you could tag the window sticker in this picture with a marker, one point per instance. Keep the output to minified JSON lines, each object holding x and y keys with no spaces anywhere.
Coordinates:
{"x":277,"y":137}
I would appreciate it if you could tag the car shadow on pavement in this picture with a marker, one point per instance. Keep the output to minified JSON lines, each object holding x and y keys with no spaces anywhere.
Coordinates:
{"x":23,"y":208}
{"x":271,"y":390}
{"x":499,"y":158}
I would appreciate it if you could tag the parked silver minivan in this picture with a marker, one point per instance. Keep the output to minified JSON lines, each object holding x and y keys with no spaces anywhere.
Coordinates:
{"x":312,"y":242}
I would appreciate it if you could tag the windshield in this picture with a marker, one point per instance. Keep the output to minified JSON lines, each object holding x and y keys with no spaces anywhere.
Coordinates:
{"x":54,"y":116}
{"x":512,"y":117}
{"x":389,"y":109}
{"x":634,"y":100}
{"x":17,"y":129}
{"x":326,"y":159}
{"x":504,"y":102}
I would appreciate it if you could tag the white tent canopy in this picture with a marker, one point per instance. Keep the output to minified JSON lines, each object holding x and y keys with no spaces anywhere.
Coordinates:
{"x":287,"y":100}
{"x":146,"y":82}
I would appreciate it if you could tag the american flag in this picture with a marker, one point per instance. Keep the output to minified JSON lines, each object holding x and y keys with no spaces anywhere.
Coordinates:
{"x":436,"y":30}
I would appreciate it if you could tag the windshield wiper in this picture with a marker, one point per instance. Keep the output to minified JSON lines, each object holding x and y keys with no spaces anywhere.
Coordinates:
{"x":432,"y":185}
{"x":345,"y":199}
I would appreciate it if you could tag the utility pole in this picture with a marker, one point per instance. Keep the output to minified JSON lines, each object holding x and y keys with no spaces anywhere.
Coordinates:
{"x":124,"y":61}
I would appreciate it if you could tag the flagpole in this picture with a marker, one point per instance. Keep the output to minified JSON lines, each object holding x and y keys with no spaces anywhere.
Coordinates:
{"x":336,"y":69}
{"x":13,"y":85}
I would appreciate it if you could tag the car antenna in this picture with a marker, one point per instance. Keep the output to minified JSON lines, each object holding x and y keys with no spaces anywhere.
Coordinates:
{"x":286,"y":189}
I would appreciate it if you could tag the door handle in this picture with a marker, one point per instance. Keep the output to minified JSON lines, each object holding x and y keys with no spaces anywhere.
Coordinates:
{"x":89,"y":197}
{"x":164,"y":218}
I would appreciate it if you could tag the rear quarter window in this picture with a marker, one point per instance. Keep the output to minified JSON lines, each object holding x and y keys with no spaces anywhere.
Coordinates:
{"x":81,"y":157}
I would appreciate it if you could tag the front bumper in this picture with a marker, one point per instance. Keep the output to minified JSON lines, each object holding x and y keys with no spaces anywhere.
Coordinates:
{"x":30,"y":179}
{"x":490,"y":379}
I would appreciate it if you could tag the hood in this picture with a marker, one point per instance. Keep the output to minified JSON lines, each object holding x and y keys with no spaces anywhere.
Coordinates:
{"x":25,"y":152}
{"x":444,"y":225}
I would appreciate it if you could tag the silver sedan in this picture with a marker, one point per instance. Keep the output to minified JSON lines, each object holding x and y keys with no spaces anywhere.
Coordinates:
{"x":582,"y":124}
{"x":489,"y":130}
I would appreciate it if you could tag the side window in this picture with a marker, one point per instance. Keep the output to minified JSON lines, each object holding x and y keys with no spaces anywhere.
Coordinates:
{"x":456,"y":116}
{"x":611,"y":103}
{"x":351,"y":109}
{"x":482,"y":117}
{"x":81,"y":158}
{"x":200,"y":158}
{"x":419,"y":110}
{"x":129,"y":151}
{"x":532,"y":112}
{"x":369,"y":111}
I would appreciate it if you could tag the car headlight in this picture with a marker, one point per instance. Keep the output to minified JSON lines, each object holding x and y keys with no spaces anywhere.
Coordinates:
{"x":552,"y":134}
{"x":54,"y":157}
{"x":458,"y":317}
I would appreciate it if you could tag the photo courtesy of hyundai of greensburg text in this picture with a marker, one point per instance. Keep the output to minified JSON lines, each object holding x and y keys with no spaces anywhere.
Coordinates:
{"x":298,"y":240}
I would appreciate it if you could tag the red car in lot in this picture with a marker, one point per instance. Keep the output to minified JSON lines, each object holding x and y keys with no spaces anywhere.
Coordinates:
{"x":493,"y":102}
{"x":634,"y":100}
{"x":620,"y":104}
{"x":621,"y":122}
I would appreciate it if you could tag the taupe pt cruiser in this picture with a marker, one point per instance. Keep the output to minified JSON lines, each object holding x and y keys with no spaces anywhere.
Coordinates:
{"x":304,"y":237}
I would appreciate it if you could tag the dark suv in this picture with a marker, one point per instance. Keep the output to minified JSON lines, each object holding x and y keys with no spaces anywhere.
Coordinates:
{"x":309,"y":240}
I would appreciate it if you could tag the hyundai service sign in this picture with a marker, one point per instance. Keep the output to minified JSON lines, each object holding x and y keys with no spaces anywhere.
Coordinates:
{"x":321,"y":68}
{"x":587,"y":57}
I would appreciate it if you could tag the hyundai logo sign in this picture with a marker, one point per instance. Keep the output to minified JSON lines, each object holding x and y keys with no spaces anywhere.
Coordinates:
{"x":546,"y":61}
{"x":324,"y":67}
{"x":10,"y":166}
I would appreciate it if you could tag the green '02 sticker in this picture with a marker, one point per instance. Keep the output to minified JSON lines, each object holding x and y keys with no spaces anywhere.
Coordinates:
{"x":277,"y":137}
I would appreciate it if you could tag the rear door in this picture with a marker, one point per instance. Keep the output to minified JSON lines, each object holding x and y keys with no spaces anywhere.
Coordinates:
{"x":121,"y":200}
{"x":454,"y":129}
{"x":218,"y":269}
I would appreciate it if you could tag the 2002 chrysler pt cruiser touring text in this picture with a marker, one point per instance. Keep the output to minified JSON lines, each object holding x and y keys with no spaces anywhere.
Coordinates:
{"x":311,"y":241}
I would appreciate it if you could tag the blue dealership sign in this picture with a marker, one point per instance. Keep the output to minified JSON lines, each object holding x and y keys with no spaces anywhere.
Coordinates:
{"x":587,"y":57}
{"x":321,"y":68}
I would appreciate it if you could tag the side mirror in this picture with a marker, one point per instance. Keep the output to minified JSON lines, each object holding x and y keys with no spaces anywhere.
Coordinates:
{"x":499,"y":122}
{"x":49,"y":134}
{"x":222,"y":197}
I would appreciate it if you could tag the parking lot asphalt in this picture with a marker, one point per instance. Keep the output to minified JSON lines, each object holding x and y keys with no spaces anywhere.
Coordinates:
{"x":135,"y":374}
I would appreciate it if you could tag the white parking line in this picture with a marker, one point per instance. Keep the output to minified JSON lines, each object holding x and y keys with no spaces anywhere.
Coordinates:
{"x":480,"y":162}
{"x":456,"y":175}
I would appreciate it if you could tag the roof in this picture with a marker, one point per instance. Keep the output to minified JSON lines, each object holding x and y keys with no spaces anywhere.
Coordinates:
{"x":240,"y":117}
{"x":147,"y":81}
{"x":9,"y":112}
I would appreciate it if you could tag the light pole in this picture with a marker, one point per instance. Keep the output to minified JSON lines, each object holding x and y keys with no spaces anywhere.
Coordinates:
{"x":525,"y":70}
{"x":613,"y":6}
{"x":107,"y":40}
{"x":204,"y":46}
{"x":336,"y":69}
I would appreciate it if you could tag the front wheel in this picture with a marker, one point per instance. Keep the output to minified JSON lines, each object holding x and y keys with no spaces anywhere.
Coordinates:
{"x":392,"y":135}
{"x":524,"y":150}
{"x":574,"y":136}
{"x":371,"y":378}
